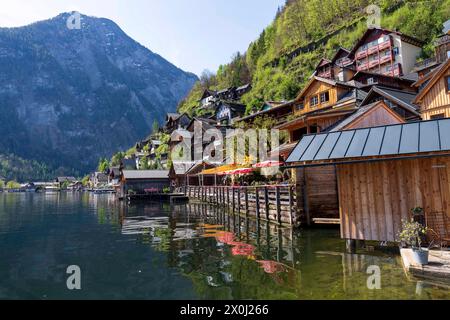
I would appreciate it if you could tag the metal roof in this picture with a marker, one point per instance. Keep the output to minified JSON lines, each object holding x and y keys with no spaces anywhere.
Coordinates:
{"x":145,"y":174}
{"x":394,"y":140}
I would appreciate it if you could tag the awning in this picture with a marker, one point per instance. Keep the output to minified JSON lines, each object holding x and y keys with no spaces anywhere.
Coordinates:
{"x":221,"y":170}
{"x":239,"y":171}
{"x":268,"y":164}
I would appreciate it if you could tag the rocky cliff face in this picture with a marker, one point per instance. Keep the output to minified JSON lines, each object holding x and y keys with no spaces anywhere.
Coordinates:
{"x":71,"y":95}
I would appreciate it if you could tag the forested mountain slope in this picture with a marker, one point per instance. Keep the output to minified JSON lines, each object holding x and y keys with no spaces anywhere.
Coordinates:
{"x":315,"y":28}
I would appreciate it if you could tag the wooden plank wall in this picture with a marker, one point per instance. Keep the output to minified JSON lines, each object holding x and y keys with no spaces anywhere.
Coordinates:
{"x":374,"y":197}
{"x":437,"y":100}
{"x":317,"y":191}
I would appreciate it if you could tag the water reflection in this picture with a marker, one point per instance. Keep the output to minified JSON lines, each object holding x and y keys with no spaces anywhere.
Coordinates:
{"x":193,"y":251}
{"x":251,"y":259}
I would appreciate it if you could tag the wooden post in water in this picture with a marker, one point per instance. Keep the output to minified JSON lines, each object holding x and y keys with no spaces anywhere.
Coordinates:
{"x":258,"y":213}
{"x":246,"y":202}
{"x":239,"y":201}
{"x":291,"y":204}
{"x":234,"y":201}
{"x":266,"y":199}
{"x":278,"y":202}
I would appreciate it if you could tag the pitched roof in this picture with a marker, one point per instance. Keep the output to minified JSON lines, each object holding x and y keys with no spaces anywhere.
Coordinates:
{"x":322,"y":62}
{"x":274,"y":106}
{"x":145,"y":174}
{"x":173,"y":116}
{"x":404,"y":99}
{"x":208,"y":93}
{"x":325,"y":80}
{"x":180,"y":168}
{"x":239,"y":107}
{"x":244,"y":87}
{"x":435,"y":78}
{"x":392,"y":140}
{"x":409,"y":79}
{"x":369,"y":31}
{"x":338,"y":53}
{"x":65,"y":179}
{"x":359,"y":113}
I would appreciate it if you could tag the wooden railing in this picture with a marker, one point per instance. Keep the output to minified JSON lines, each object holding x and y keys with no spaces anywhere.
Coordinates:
{"x":271,"y":203}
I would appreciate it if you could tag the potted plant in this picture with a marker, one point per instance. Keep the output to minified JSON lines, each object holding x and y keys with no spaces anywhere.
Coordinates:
{"x":418,"y":215}
{"x":412,"y":234}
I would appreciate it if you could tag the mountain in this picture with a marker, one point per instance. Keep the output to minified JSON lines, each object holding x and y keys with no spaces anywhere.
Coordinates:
{"x":284,"y":56}
{"x":69,"y":96}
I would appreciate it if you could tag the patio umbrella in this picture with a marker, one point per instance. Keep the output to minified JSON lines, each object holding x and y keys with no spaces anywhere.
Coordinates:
{"x":268,"y":164}
{"x":239,"y":171}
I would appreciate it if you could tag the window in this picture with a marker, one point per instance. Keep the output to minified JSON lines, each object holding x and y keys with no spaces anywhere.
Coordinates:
{"x":447,"y":80}
{"x":370,"y":81}
{"x":448,"y":54}
{"x":396,"y":51}
{"x":314,"y":101}
{"x":437,"y":116}
{"x":324,"y":97}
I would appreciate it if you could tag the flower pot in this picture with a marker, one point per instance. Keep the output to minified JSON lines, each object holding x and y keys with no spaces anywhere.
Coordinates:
{"x":421,"y":256}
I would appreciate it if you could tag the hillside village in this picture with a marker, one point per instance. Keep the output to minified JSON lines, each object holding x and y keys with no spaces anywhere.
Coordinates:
{"x":364,"y":149}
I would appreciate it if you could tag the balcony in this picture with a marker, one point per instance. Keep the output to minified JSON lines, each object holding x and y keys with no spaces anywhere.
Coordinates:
{"x":425,"y":63}
{"x":325,"y":74}
{"x":363,"y":66}
{"x":385,"y":59}
{"x":442,"y":40}
{"x":361,"y":55}
{"x":384,"y":45}
{"x":372,"y":50}
{"x":373,"y":63}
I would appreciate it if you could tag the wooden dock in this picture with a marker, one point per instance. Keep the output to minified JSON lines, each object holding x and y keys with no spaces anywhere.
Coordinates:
{"x":438,"y":268}
{"x":269,"y":203}
{"x":172,"y":198}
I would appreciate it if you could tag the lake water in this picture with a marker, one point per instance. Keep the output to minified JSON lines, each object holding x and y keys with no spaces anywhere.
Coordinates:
{"x":194,"y":251}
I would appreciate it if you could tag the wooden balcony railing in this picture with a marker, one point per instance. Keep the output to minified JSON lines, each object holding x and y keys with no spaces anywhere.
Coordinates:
{"x":275,"y":203}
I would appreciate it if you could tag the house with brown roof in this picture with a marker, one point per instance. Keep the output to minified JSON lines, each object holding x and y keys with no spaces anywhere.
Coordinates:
{"x":320,"y":104}
{"x":386,"y":52}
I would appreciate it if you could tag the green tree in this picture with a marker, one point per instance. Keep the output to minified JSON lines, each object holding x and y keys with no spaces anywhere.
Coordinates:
{"x":65,"y":185}
{"x":12,"y":185}
{"x":117,"y":159}
{"x":2,"y":184}
{"x":85,"y":181}
{"x":155,"y":127}
{"x":103,"y":165}
{"x":143,"y":164}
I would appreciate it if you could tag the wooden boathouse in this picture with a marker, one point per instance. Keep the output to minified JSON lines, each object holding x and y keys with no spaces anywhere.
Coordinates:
{"x":383,"y":172}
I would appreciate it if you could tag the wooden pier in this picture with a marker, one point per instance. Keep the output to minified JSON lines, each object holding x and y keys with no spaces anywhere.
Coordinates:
{"x":276,"y":204}
{"x":171,"y":198}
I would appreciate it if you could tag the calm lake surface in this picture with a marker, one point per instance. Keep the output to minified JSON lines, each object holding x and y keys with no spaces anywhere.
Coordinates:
{"x":194,"y":251}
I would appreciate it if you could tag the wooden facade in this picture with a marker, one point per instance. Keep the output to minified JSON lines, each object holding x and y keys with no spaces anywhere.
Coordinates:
{"x":434,"y":99}
{"x":377,"y":114}
{"x":317,"y":194}
{"x":316,"y":107}
{"x":374,"y":197}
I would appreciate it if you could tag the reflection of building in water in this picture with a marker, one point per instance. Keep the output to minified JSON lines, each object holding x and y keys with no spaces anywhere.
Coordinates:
{"x":271,"y":246}
{"x":144,"y":225}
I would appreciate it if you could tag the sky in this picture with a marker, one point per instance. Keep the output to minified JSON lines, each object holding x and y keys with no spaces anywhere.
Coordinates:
{"x":192,"y":34}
